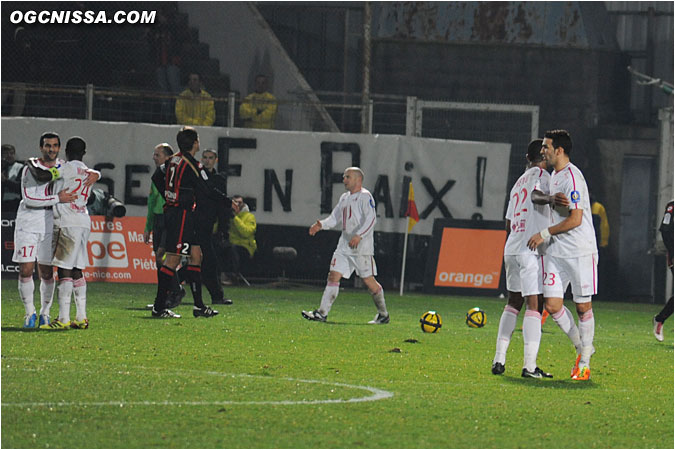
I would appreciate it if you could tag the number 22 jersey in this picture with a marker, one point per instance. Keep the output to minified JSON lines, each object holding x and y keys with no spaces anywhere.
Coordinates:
{"x":526,"y":217}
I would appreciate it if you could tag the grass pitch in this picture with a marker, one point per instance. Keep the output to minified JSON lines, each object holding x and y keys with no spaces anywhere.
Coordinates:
{"x":260,"y":376}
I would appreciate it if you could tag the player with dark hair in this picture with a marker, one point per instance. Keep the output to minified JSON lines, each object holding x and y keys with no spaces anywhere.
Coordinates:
{"x":33,"y":229}
{"x":185,"y":189}
{"x":35,"y":219}
{"x":666,"y":230}
{"x":355,"y":214}
{"x":72,"y":226}
{"x":527,"y":212}
{"x":572,"y":254}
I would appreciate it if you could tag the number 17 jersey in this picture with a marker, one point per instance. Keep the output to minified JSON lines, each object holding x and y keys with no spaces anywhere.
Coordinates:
{"x":526,"y":217}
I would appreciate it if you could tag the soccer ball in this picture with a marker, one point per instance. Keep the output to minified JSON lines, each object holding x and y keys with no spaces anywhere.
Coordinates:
{"x":476,"y":318}
{"x":431,"y":322}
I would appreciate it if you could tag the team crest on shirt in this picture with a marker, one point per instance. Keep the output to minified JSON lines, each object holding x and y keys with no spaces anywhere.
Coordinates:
{"x":575,"y":196}
{"x":371,"y":202}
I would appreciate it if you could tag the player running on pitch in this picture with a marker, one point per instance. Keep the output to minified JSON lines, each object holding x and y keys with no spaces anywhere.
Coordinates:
{"x":355,"y":214}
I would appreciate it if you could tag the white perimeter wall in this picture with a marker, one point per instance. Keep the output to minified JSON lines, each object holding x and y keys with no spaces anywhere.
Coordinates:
{"x":474,"y":174}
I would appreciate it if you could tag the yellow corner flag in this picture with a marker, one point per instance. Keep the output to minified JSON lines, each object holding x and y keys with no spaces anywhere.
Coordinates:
{"x":411,"y":213}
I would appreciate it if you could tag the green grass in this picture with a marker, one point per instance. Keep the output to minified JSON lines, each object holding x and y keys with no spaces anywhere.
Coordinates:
{"x":234,"y":381}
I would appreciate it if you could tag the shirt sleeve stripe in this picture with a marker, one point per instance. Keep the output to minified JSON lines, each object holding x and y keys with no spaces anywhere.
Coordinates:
{"x":574,"y":185}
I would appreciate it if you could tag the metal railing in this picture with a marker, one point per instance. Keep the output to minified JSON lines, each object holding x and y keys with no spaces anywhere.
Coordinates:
{"x":107,"y":104}
{"x":334,"y":112}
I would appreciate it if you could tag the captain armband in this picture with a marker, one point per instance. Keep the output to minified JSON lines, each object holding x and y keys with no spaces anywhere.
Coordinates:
{"x":55,"y":173}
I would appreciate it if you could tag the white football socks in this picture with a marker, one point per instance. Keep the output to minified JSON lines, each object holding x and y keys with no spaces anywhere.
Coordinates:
{"x":565,"y":321}
{"x":80,"y":289}
{"x":329,"y":295}
{"x":26,"y":290}
{"x":507,"y":323}
{"x":587,"y":332}
{"x":65,"y":290}
{"x":531,"y":339}
{"x":378,"y":298}
{"x":46,"y":295}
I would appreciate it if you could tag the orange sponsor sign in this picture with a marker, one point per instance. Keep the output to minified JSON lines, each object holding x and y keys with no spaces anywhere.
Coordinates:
{"x":117,"y":253}
{"x":470,"y":258}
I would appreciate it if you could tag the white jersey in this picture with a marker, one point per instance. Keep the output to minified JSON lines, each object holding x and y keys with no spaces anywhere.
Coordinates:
{"x":526,"y":217}
{"x":355,"y":214}
{"x":37,"y":198}
{"x":579,"y":241}
{"x":73,"y":214}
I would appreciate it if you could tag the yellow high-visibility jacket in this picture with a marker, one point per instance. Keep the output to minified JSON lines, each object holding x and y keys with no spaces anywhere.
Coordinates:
{"x":195,"y":109}
{"x":259,"y":110}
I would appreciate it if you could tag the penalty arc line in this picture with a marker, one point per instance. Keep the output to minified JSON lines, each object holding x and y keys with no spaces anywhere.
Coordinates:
{"x":377,"y":394}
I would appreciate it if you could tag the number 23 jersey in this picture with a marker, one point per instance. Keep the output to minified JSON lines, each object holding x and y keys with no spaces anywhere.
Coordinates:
{"x":579,"y":241}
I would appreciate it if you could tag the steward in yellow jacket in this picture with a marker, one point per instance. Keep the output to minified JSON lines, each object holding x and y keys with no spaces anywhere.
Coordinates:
{"x":259,"y":109}
{"x":194,"y":105}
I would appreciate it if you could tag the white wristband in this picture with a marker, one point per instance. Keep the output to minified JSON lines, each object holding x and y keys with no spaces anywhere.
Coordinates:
{"x":545,"y":234}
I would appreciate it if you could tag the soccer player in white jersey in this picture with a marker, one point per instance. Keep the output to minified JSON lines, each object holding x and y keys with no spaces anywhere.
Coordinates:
{"x":355,"y":214}
{"x":33,"y":228}
{"x":528,"y":212}
{"x":572,"y":253}
{"x":71,"y":232}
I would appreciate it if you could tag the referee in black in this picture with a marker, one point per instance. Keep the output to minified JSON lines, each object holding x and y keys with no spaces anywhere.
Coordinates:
{"x":185,"y":189}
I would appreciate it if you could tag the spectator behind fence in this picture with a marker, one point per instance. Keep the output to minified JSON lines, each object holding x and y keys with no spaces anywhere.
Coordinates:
{"x":11,"y":179}
{"x":259,"y":108}
{"x":242,"y":237}
{"x":166,"y":46}
{"x":194,"y":105}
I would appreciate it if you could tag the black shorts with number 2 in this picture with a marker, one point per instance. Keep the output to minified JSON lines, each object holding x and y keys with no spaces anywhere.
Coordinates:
{"x":180,"y":228}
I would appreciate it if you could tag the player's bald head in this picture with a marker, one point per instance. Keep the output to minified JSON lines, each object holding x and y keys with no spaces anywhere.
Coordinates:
{"x":356,"y":170}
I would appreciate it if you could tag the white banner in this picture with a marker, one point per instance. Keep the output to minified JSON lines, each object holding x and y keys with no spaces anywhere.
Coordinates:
{"x":294,"y":178}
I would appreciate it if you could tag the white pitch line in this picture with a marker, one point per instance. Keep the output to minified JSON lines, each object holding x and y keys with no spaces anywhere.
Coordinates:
{"x":377,"y":394}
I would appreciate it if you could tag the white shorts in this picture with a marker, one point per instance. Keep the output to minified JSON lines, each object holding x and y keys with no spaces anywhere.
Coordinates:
{"x":70,"y":247}
{"x":29,"y":246}
{"x":524,"y":274}
{"x":581,"y":272}
{"x":364,"y":266}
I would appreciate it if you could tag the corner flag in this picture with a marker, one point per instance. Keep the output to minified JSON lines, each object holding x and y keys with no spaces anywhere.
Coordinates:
{"x":411,"y":213}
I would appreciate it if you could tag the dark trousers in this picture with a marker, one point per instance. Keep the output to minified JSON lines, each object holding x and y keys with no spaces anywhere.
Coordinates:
{"x":210,"y":269}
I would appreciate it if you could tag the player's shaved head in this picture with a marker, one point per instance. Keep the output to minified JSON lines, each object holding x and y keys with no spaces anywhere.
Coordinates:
{"x":355,"y":170}
{"x":75,"y":148}
{"x":166,"y":148}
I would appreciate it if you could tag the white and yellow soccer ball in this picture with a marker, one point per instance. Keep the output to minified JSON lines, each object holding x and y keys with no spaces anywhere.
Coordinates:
{"x":476,"y":318}
{"x":431,"y":322}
